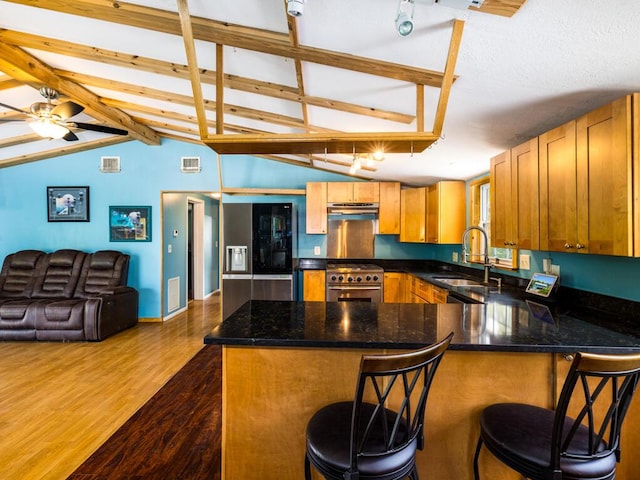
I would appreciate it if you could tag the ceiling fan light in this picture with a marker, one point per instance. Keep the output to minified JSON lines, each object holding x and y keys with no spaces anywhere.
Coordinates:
{"x":47,"y":128}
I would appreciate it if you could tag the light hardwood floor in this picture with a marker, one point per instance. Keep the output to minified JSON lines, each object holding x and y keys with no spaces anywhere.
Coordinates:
{"x":60,"y":401}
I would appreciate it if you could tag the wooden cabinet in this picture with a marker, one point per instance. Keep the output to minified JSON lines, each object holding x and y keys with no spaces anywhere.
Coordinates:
{"x":446,"y":212}
{"x":514,"y":194}
{"x":389,"y":209}
{"x":316,"y":207}
{"x":314,"y":285}
{"x":413,"y":213}
{"x":394,"y":287}
{"x":586,"y":183}
{"x":421,"y":291}
{"x":367,"y":192}
{"x":604,"y":168}
{"x":433,"y":214}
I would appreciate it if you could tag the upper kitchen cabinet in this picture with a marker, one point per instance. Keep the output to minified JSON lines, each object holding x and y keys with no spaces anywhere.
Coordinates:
{"x":433,"y":214}
{"x":413,"y":215}
{"x":359,"y":192}
{"x":316,"y":207}
{"x":446,"y":211}
{"x":389,"y":209}
{"x":386,"y":195}
{"x":587,"y":189}
{"x":515,"y":213}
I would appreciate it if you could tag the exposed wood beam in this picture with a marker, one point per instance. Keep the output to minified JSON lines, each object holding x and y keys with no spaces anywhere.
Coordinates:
{"x":23,"y":66}
{"x":219,"y":88}
{"x":293,"y":36}
{"x":234,"y":82}
{"x":71,"y":147}
{"x":254,"y":39}
{"x":7,"y":82}
{"x":192,"y":62}
{"x":186,"y":100}
{"x":452,"y":57}
{"x":504,"y":8}
{"x":264,"y":191}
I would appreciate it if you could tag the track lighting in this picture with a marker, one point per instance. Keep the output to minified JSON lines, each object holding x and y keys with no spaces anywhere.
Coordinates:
{"x":295,"y":8}
{"x":404,"y":17}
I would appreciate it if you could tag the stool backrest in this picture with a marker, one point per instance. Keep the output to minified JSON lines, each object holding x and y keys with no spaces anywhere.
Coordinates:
{"x":399,"y":383}
{"x":596,"y":394}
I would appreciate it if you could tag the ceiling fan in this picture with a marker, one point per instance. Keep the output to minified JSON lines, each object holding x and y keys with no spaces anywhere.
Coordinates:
{"x":52,"y":121}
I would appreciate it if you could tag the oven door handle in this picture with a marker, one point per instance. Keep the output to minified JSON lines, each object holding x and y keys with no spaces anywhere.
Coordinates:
{"x":355,"y":287}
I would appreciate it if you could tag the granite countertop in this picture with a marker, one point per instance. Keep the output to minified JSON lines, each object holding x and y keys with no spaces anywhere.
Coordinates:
{"x":512,"y":325}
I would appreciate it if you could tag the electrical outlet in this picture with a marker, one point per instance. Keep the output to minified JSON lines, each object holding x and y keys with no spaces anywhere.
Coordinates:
{"x":525,"y":262}
{"x":454,"y":257}
{"x":555,"y":270}
{"x":316,"y":250}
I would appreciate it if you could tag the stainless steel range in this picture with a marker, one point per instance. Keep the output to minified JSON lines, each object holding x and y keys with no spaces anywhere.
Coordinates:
{"x":354,"y":282}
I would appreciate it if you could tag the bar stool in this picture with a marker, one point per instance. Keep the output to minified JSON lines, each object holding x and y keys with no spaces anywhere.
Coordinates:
{"x":543,"y":444}
{"x":365,"y":438}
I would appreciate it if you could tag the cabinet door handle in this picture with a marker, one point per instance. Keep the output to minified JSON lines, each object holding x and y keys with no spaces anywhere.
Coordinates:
{"x":580,"y":246}
{"x":568,"y":245}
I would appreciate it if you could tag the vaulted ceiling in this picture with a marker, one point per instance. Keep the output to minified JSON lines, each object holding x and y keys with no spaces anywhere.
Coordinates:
{"x":245,"y":77}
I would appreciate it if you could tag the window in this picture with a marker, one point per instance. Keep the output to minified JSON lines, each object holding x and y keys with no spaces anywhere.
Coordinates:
{"x":480,"y":215}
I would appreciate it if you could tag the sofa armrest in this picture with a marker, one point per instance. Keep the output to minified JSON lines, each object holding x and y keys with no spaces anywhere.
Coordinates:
{"x":109,"y":313}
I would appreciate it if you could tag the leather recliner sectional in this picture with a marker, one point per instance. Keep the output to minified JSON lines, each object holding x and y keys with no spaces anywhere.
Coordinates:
{"x":66,"y":295}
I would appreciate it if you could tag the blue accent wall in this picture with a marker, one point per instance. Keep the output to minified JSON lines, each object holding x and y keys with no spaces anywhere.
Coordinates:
{"x":149,"y":172}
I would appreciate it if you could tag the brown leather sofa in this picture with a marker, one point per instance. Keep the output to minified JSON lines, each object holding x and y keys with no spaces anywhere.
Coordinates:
{"x":66,"y":295}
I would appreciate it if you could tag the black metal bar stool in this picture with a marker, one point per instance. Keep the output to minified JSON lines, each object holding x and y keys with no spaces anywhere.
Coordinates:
{"x":365,"y":438}
{"x":543,"y":444}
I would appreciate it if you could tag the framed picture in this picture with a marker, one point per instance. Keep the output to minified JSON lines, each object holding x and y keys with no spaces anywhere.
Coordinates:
{"x":68,"y":204}
{"x":130,"y":224}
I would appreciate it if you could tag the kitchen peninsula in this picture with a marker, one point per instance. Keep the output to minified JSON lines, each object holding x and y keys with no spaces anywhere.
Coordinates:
{"x":284,"y":360}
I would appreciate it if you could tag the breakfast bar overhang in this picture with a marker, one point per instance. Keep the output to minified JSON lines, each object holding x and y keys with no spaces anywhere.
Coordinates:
{"x":282,"y":361}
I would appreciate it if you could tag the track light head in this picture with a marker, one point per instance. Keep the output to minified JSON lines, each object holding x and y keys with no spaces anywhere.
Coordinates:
{"x":295,"y":8}
{"x":404,"y":18}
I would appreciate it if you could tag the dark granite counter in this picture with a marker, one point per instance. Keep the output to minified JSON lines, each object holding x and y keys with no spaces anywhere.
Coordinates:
{"x":510,"y":324}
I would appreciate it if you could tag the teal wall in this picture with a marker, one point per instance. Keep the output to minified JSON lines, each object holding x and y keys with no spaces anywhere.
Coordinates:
{"x":149,"y":171}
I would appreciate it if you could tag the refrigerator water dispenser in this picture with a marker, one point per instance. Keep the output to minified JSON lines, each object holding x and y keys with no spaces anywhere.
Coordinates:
{"x":237,"y":259}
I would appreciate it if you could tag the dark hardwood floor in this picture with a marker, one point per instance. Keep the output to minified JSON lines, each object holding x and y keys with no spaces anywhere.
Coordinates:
{"x":176,"y":435}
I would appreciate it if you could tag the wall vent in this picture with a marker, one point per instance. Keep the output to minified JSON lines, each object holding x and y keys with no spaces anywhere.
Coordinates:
{"x":110,"y":164}
{"x":190,"y":164}
{"x":173,"y":294}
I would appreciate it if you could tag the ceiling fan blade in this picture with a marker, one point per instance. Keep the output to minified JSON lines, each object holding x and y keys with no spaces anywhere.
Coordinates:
{"x":98,"y":128}
{"x":67,"y":110}
{"x":14,"y":108}
{"x":70,"y":137}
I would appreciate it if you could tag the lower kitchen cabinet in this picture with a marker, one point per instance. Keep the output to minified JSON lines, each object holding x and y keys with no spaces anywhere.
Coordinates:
{"x":394,"y":287}
{"x":314,"y":285}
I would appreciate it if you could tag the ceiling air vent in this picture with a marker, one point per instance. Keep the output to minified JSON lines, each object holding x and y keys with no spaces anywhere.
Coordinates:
{"x":110,"y":164}
{"x":190,"y":164}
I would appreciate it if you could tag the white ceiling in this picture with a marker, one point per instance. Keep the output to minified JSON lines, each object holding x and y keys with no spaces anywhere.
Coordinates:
{"x":517,"y":76}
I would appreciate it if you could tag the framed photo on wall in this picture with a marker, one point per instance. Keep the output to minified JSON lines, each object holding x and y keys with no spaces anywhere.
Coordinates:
{"x":130,"y":224}
{"x":68,"y":204}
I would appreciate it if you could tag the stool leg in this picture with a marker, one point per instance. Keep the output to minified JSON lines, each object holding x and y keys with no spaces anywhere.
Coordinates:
{"x":476,"y":473}
{"x":307,"y":468}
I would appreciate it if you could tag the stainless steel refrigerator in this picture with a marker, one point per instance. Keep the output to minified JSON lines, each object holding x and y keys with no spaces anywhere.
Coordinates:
{"x":259,"y":247}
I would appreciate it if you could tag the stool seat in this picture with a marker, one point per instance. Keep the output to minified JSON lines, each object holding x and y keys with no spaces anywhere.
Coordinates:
{"x":521,"y":434}
{"x":328,"y":443}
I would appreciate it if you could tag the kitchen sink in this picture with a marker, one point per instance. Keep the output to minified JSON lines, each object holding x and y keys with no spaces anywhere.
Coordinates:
{"x":460,"y":282}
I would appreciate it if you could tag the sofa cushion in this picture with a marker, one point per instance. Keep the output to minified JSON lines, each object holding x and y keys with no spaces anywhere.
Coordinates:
{"x":101,"y":272}
{"x":58,"y":275}
{"x":17,"y":276}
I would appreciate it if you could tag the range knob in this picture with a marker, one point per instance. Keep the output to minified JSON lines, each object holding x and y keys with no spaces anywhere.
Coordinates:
{"x":368,"y":278}
{"x":341,"y":277}
{"x":333,"y":278}
{"x":375,"y":278}
{"x":358,"y":279}
{"x":349,"y":279}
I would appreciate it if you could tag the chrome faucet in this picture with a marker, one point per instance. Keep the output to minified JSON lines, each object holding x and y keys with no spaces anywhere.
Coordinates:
{"x":487,"y":263}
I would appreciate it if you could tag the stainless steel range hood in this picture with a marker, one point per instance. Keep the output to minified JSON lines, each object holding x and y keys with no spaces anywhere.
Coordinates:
{"x":352,"y":208}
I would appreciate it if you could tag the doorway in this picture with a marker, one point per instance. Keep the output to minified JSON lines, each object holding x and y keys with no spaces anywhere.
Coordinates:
{"x":195,"y":249}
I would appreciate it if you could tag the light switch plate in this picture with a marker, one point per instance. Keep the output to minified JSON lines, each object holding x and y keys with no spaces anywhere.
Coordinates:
{"x":555,"y":270}
{"x":454,"y":257}
{"x":316,"y":250}
{"x":525,"y":262}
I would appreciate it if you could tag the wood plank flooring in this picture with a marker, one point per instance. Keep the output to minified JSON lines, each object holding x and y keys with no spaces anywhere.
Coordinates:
{"x":59,"y":402}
